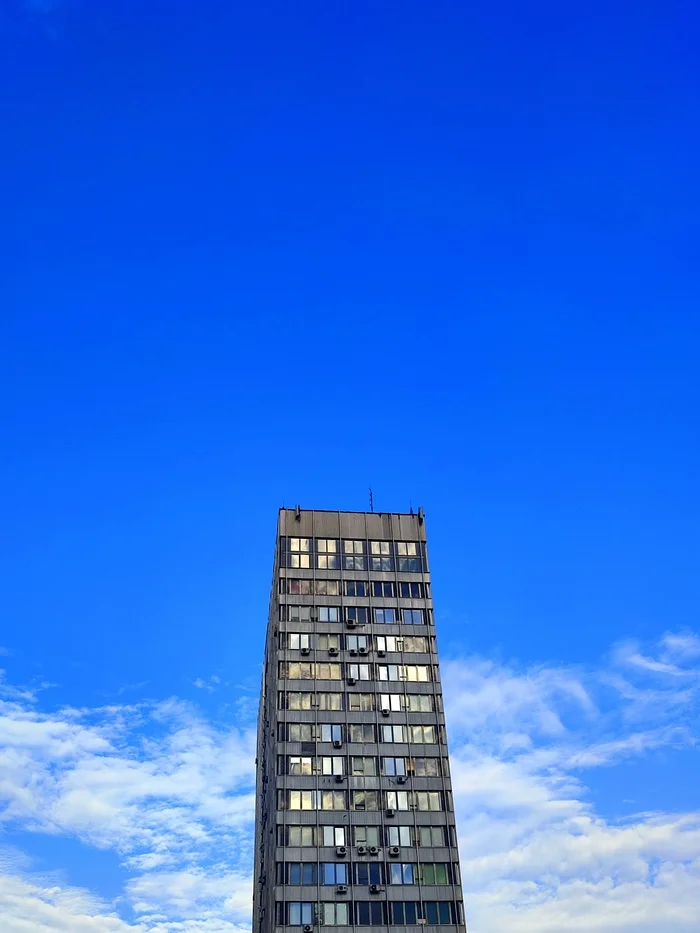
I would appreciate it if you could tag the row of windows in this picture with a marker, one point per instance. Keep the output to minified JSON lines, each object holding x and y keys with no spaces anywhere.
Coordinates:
{"x":351,"y":546}
{"x":327,"y":873}
{"x":417,"y":734}
{"x":360,"y":615}
{"x":360,"y":765}
{"x":323,"y":641}
{"x":360,"y":702}
{"x":428,"y":800}
{"x":369,"y":913}
{"x":335,"y":670}
{"x":314,"y":836}
{"x":377,"y":588}
{"x":352,"y":562}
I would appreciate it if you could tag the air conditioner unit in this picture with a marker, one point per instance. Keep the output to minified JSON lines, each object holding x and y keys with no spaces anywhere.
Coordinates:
{"x":307,"y":928}
{"x":341,"y":889}
{"x":339,"y":778}
{"x":373,"y":850}
{"x":381,"y":653}
{"x":394,"y":851}
{"x":333,"y":651}
{"x":401,"y":779}
{"x":362,"y":850}
{"x":363,"y":650}
{"x":353,"y":651}
{"x":352,"y":681}
{"x":306,"y":650}
{"x":351,"y":623}
{"x":337,"y":743}
{"x":390,"y":811}
{"x":386,"y":712}
{"x":341,"y":851}
{"x":375,"y":888}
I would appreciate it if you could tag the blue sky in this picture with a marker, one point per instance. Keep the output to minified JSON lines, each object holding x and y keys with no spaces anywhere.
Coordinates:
{"x":256,"y":254}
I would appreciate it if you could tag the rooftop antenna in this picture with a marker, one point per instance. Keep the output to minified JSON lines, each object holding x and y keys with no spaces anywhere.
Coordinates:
{"x":371,"y":500}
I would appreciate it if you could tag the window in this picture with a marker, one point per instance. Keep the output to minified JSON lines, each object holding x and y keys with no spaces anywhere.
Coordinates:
{"x":298,"y":555}
{"x":392,"y":701}
{"x":355,"y":588}
{"x":295,"y":587}
{"x":420,"y":703}
{"x":300,"y":544}
{"x":328,"y":614}
{"x":361,"y":702}
{"x":385,"y":616}
{"x":298,"y":873}
{"x":333,"y":800}
{"x":426,"y":800}
{"x":354,"y":547}
{"x":295,"y":700}
{"x":413,"y":617}
{"x":355,"y":642}
{"x":325,"y":641}
{"x":331,"y":732}
{"x":359,"y":671}
{"x":326,"y":701}
{"x":381,"y":547}
{"x":327,"y":587}
{"x":423,"y":735}
{"x":356,"y":614}
{"x":401,"y":873}
{"x":415,"y":643}
{"x":399,"y":835}
{"x":405,"y":913}
{"x":381,"y":563}
{"x":366,"y":836}
{"x":331,"y":764}
{"x":431,"y":836}
{"x":298,"y":731}
{"x":301,"y":836}
{"x":296,"y":640}
{"x":435,"y":873}
{"x":308,"y":670}
{"x":363,"y":765}
{"x":424,"y":767}
{"x":298,"y":613}
{"x":298,"y":800}
{"x":384,"y":589}
{"x":370,"y":913}
{"x":409,"y":556}
{"x":439,"y":912}
{"x":333,"y":836}
{"x":393,"y":733}
{"x":362,"y":732}
{"x":297,"y":764}
{"x":392,"y":767}
{"x":397,"y":799}
{"x":353,"y":555}
{"x":327,"y":557}
{"x":334,"y":914}
{"x":412,"y":591}
{"x":388,"y":642}
{"x":365,"y":800}
{"x":299,"y":913}
{"x":388,"y":672}
{"x":413,"y":673}
{"x":369,"y":872}
{"x":334,"y":873}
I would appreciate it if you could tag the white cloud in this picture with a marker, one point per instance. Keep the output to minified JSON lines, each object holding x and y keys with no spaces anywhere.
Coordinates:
{"x":173,"y":795}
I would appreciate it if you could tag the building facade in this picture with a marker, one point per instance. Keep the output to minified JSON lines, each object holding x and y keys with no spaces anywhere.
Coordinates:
{"x":355,"y":822}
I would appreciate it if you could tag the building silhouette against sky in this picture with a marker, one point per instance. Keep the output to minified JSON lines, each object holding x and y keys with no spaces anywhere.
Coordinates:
{"x":355,"y":823}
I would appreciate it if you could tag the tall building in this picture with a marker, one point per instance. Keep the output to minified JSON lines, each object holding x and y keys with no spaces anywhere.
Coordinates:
{"x":355,"y":823}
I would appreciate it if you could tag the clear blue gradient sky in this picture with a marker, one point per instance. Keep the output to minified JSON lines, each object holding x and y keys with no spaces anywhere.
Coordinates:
{"x":261,"y":253}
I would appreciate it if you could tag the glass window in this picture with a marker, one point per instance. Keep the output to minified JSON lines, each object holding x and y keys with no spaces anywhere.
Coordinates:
{"x":369,"y":872}
{"x":415,"y":643}
{"x":328,"y":561}
{"x":333,"y":914}
{"x":393,"y":733}
{"x":381,"y":564}
{"x":301,"y":873}
{"x":359,"y":671}
{"x":420,"y":703}
{"x":401,"y":873}
{"x":362,"y":732}
{"x":326,"y":701}
{"x":381,"y":547}
{"x":392,"y":767}
{"x":399,"y":835}
{"x":326,"y":546}
{"x":332,"y":764}
{"x":327,"y":587}
{"x":355,"y":642}
{"x":364,"y":765}
{"x":385,"y":616}
{"x":424,"y":735}
{"x":413,"y":616}
{"x":365,"y":800}
{"x":411,"y":591}
{"x":392,"y":701}
{"x":299,"y":613}
{"x":334,"y":873}
{"x":354,"y":547}
{"x":333,"y":836}
{"x":361,"y":702}
{"x":299,"y":765}
{"x":331,"y":732}
{"x":299,"y":732}
{"x":300,"y":544}
{"x":356,"y":614}
{"x":384,"y":589}
{"x":355,"y":588}
{"x":405,"y":913}
{"x":301,"y":836}
{"x":388,"y":642}
{"x":366,"y":836}
{"x":354,"y":562}
{"x":333,"y":800}
{"x":325,"y":641}
{"x":431,"y":836}
{"x":370,"y":913}
{"x":327,"y":613}
{"x":397,"y":799}
{"x":297,"y":640}
{"x":299,"y":913}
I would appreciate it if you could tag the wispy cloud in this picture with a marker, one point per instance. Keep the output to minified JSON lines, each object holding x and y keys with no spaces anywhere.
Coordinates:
{"x":173,"y":795}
